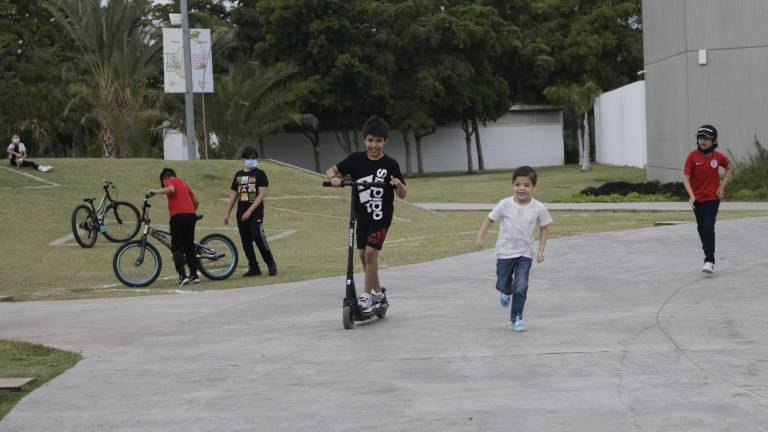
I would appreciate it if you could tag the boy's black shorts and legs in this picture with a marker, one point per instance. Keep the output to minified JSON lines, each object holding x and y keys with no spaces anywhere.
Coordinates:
{"x":370,"y":233}
{"x":183,"y":242}
{"x":252,"y":231}
{"x":706,"y":214}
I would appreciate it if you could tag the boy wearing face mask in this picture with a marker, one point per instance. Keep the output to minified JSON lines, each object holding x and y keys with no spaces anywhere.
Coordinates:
{"x":701,"y":178}
{"x":249,"y":189}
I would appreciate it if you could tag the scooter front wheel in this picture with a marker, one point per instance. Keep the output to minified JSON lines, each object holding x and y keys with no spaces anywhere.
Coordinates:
{"x":346,"y":318}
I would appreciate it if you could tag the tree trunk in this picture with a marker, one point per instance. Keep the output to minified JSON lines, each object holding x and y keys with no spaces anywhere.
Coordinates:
{"x":480,"y":162}
{"x":344,"y":141}
{"x":262,"y":151}
{"x":316,"y":148}
{"x":407,"y":142}
{"x":314,"y":139}
{"x":419,"y":158}
{"x":468,"y":140}
{"x":580,"y":143}
{"x":107,"y":137}
{"x":586,"y":165}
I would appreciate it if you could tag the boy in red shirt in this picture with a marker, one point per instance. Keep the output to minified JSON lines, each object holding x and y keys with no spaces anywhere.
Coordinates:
{"x":182,"y":207}
{"x":701,"y":178}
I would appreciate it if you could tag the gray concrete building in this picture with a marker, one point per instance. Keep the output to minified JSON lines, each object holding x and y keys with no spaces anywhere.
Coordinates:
{"x":706,"y":61}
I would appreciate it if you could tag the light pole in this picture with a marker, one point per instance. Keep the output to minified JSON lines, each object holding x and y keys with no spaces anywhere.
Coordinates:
{"x":188,"y":99}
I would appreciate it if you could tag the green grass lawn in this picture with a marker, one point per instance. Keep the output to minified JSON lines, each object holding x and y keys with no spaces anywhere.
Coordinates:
{"x":310,"y":221}
{"x":555,"y":184}
{"x":25,"y":360}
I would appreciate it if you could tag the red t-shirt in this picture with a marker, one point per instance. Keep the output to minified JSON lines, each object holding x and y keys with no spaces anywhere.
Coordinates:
{"x":704,"y":173}
{"x":182,"y":201}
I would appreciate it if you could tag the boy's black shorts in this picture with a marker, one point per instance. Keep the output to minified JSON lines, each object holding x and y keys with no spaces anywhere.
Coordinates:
{"x":370,"y":233}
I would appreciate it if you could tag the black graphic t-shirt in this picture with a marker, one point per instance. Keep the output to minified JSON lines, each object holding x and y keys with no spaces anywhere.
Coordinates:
{"x":374,"y":204}
{"x":247,"y":184}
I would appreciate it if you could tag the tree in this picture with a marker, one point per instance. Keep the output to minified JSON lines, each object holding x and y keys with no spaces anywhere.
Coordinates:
{"x":579,"y":98}
{"x":34,"y":77}
{"x":337,"y":45}
{"x":113,"y":44}
{"x":250,"y":102}
{"x":476,"y":35}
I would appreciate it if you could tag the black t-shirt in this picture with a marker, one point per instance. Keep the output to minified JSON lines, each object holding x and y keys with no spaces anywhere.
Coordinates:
{"x":374,"y":204}
{"x":247,"y":184}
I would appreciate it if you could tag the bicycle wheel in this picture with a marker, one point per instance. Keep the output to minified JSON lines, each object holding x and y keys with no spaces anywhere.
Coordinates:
{"x":121,"y":221}
{"x":84,"y":226}
{"x":133,"y":273}
{"x":217,"y":256}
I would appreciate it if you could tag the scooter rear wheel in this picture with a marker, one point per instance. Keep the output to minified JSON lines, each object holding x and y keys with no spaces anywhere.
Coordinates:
{"x":346,"y":318}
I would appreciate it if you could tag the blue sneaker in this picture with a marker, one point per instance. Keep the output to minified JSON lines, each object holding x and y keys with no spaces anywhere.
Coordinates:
{"x":519,"y":325}
{"x":504,"y":300}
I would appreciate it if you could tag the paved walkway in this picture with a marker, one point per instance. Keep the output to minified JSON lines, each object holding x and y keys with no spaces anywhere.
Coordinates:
{"x":626,"y":334}
{"x":635,"y":206}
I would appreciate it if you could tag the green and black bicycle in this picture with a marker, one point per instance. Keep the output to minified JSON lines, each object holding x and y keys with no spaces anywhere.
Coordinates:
{"x":118,"y":221}
{"x":137,"y":263}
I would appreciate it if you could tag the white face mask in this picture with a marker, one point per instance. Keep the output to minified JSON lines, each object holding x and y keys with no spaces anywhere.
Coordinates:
{"x":251,"y":163}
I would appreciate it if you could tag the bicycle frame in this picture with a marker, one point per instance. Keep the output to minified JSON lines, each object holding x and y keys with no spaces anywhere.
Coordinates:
{"x":163,"y":237}
{"x":100,"y":211}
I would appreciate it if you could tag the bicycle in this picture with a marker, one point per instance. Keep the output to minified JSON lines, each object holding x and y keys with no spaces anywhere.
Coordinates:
{"x":137,"y":263}
{"x":118,"y":221}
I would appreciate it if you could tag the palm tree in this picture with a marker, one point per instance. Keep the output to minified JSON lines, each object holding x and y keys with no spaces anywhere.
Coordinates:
{"x":579,"y":99}
{"x":115,"y":47}
{"x":250,"y":102}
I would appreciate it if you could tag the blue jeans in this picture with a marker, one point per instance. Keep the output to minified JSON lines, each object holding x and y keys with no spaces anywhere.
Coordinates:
{"x":512,"y":279}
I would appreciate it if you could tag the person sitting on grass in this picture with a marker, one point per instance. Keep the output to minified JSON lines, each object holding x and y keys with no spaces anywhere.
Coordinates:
{"x":17,"y":155}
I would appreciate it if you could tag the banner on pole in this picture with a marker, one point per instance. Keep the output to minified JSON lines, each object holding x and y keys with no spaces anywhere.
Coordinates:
{"x":173,"y":60}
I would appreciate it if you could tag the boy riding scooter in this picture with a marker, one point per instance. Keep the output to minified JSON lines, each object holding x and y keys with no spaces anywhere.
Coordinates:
{"x":375,"y":205}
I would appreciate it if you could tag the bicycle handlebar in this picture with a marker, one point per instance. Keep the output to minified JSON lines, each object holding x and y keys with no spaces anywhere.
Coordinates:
{"x":364,"y":184}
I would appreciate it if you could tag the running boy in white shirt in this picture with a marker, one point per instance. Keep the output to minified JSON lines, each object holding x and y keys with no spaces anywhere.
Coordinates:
{"x":519,"y":215}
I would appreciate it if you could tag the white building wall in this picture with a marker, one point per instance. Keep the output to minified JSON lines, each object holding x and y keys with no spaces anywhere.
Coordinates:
{"x":620,"y":133}
{"x":506,"y":144}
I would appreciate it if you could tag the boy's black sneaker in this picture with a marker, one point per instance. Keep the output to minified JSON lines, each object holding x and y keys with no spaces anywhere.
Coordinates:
{"x":273,"y":270}
{"x":252,"y":272}
{"x":193,"y":279}
{"x":183,"y":280}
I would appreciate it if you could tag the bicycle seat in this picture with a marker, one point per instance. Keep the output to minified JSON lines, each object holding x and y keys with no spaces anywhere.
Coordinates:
{"x":198,"y":216}
{"x":89,"y":200}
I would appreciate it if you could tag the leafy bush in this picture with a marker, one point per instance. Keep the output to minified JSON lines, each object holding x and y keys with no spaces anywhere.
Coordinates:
{"x":619,"y":198}
{"x":750,"y":176}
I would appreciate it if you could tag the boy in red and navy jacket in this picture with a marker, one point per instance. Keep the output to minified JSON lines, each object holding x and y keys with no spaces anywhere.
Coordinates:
{"x":701,"y":178}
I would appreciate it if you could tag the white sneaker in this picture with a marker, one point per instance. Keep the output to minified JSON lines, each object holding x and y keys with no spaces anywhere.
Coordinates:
{"x":366,"y":303}
{"x":708,"y":267}
{"x":41,"y":168}
{"x":377,"y":297}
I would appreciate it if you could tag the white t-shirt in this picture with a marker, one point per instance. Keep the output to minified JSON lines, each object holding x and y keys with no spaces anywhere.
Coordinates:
{"x":21,"y":149}
{"x":517,"y":223}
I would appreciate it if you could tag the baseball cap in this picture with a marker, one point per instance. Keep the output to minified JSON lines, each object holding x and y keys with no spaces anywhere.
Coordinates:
{"x":707,"y":131}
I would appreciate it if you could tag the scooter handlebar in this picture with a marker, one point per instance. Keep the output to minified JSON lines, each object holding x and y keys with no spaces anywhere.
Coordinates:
{"x":353,"y":183}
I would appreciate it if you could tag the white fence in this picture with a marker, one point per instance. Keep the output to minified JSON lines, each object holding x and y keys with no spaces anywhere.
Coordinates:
{"x":620,"y":135}
{"x":519,"y":138}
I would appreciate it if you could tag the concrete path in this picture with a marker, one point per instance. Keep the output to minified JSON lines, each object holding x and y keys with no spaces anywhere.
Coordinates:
{"x":635,"y":206}
{"x":626,"y":334}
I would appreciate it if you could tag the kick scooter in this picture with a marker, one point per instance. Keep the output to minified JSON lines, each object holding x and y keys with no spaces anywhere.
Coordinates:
{"x":351,"y":310}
